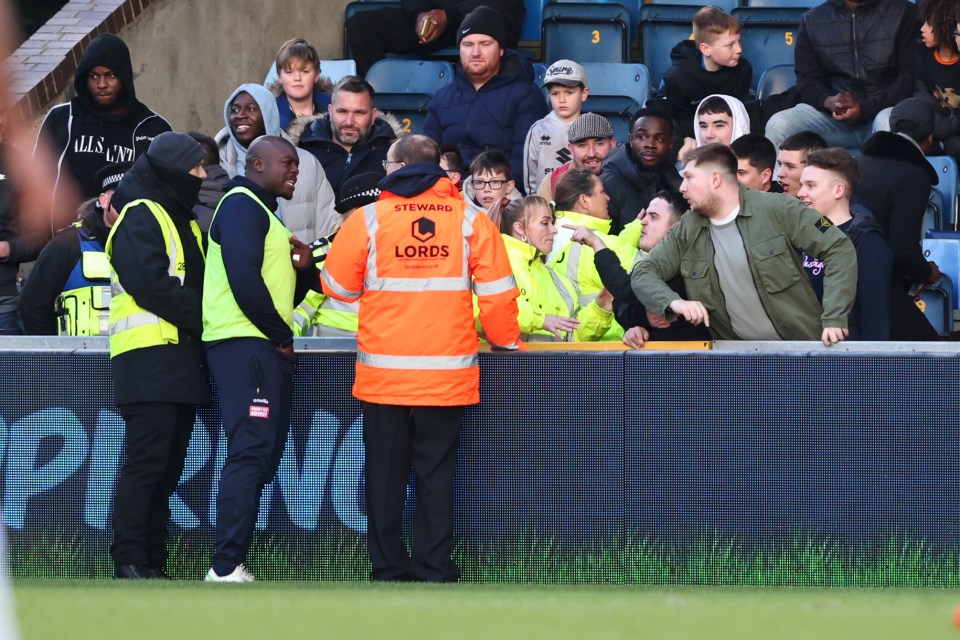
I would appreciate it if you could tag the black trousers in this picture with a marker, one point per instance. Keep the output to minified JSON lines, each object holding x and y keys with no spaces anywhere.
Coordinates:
{"x":371,"y":35}
{"x":395,"y":439}
{"x":255,"y":383}
{"x":907,"y":322}
{"x":157,"y":435}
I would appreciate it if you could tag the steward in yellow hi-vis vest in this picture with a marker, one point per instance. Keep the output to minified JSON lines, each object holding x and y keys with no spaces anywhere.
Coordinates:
{"x":68,"y":291}
{"x":156,"y":355}
{"x":415,"y":259}
{"x":257,"y":271}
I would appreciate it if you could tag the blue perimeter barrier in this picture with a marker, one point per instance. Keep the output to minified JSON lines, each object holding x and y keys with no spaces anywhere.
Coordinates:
{"x":577,"y":466}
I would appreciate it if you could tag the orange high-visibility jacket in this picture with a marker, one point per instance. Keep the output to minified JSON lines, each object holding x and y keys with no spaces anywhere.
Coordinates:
{"x":417,"y":262}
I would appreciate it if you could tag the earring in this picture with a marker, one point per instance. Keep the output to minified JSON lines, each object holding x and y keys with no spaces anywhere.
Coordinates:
{"x":524,"y":238}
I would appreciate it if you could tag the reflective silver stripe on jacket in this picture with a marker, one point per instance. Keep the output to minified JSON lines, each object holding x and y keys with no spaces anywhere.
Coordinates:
{"x":134,"y":321}
{"x":417,"y":284}
{"x":564,"y":292}
{"x":493,"y":288}
{"x":337,"y":288}
{"x":417,"y":362}
{"x":333,"y":304}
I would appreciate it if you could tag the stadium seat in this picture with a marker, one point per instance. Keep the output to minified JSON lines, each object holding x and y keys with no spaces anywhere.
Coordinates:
{"x":768,"y":36}
{"x":356,"y":7}
{"x":632,"y":7}
{"x":947,"y":190}
{"x":797,"y":4}
{"x":333,"y":69}
{"x":726,"y":5}
{"x":616,"y":92}
{"x":539,"y":72}
{"x":661,"y":27}
{"x":943,"y":247}
{"x":938,"y":305}
{"x":405,"y":87}
{"x":776,"y":79}
{"x":585,"y":32}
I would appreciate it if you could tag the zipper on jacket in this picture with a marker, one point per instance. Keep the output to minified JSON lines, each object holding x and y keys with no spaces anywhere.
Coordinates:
{"x":856,"y":51}
{"x":349,"y":157}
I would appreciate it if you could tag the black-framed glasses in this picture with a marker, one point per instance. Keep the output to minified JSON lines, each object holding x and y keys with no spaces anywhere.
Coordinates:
{"x":483,"y":184}
{"x":386,"y":163}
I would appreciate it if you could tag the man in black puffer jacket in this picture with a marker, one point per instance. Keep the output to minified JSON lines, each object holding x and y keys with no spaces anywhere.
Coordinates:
{"x":853,"y":63}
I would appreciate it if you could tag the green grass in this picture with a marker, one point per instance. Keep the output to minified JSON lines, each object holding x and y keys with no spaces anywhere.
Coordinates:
{"x":340,"y":554}
{"x":102,"y":610}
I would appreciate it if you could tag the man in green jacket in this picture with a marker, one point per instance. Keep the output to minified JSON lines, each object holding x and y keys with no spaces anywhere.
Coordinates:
{"x":739,"y":255}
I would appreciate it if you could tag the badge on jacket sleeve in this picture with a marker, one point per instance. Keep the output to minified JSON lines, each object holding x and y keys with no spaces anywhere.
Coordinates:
{"x":823,"y":224}
{"x":260,"y":408}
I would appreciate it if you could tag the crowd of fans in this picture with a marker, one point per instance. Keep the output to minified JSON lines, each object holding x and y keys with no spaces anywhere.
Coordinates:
{"x":720,"y":216}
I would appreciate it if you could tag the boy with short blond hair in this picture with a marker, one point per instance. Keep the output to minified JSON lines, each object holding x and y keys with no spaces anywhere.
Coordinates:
{"x":710,"y":63}
{"x":546,"y":146}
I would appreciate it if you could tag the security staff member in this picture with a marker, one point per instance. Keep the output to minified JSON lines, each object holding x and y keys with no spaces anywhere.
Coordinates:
{"x":68,"y":291}
{"x":159,"y":371}
{"x":250,"y":289}
{"x":415,"y":257}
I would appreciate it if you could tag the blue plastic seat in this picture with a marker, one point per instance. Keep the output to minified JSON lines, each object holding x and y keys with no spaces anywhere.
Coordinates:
{"x":333,"y":69}
{"x":726,"y":5}
{"x":405,"y":87}
{"x":769,"y":36}
{"x":662,"y":26}
{"x":632,"y":7}
{"x":938,"y":305}
{"x":947,"y":190}
{"x":616,"y":92}
{"x":585,"y":32}
{"x":797,"y":4}
{"x":776,"y":80}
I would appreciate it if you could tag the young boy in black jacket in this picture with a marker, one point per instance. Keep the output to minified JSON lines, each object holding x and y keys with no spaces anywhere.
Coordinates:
{"x":709,"y":64}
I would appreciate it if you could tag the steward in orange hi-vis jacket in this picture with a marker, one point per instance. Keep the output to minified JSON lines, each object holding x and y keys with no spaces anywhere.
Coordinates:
{"x":414,"y":259}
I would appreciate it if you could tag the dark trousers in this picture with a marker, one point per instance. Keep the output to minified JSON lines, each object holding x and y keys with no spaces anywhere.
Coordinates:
{"x":157,"y":435}
{"x":907,"y":322}
{"x":396,"y":439}
{"x":255,"y":383}
{"x":371,"y":35}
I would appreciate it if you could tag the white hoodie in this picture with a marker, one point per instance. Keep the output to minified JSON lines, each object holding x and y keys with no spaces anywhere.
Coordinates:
{"x":741,"y":121}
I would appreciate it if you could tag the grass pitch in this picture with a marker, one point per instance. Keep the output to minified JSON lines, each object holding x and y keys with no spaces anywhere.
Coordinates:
{"x":103,"y":610}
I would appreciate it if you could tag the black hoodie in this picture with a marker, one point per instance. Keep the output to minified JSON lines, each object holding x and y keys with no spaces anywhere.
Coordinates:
{"x":85,"y":138}
{"x":167,"y":373}
{"x":687,"y":82}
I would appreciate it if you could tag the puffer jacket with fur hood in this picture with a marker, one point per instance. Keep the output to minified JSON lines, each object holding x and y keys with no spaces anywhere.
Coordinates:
{"x":310,"y":214}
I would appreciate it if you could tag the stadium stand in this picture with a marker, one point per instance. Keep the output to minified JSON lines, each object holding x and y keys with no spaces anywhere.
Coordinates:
{"x":776,"y":79}
{"x":586,"y":32}
{"x":616,"y":92}
{"x":726,"y":5}
{"x":768,"y":36}
{"x":661,"y":27}
{"x":943,"y":247}
{"x":405,"y":87}
{"x":944,"y":195}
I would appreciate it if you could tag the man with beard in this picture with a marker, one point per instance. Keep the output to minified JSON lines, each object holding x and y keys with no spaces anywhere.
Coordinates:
{"x":633,"y":173}
{"x":351,"y":138}
{"x":739,"y":256}
{"x":590,"y":140}
{"x":251,"y":287}
{"x":104,"y":123}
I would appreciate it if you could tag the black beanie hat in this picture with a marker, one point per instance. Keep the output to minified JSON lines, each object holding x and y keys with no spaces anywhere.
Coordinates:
{"x":360,"y":190}
{"x":176,"y":150}
{"x":483,"y":20}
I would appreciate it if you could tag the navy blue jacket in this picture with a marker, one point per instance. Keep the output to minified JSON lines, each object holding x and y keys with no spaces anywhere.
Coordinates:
{"x":366,"y":156}
{"x":498,"y":115}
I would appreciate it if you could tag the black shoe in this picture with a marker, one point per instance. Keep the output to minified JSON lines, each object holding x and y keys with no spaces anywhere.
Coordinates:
{"x":128,"y":572}
{"x":155,"y":574}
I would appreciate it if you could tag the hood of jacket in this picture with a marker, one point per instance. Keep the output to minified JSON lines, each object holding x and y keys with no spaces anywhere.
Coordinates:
{"x":317,"y":129}
{"x":414,"y":179}
{"x":896,"y":146}
{"x":109,"y":51}
{"x":268,"y":111}
{"x":741,"y":120}
{"x":152,"y":179}
{"x":470,"y":195}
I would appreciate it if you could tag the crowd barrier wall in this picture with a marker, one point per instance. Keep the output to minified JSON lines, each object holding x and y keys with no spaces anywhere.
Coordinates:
{"x":781,"y":465}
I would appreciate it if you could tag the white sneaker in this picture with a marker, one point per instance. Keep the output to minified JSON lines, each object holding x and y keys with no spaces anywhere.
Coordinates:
{"x":240,"y":574}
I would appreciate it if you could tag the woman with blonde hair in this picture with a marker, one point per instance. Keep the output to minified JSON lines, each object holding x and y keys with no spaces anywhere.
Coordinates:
{"x":548,"y":301}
